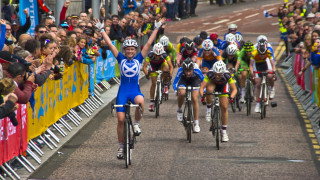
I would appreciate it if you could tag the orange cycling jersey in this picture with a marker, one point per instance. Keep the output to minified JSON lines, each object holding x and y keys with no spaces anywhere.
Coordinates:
{"x":261,"y":59}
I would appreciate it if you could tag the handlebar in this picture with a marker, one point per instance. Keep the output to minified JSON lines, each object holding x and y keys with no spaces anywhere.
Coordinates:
{"x":215,"y":93}
{"x":260,"y":72}
{"x":189,"y":88}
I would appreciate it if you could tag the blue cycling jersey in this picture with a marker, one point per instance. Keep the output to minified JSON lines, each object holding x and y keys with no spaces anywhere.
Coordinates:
{"x":129,"y":69}
{"x":129,"y":79}
{"x":180,"y":73}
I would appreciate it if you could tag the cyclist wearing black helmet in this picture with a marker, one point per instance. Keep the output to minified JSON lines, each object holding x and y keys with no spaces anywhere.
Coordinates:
{"x":243,"y":62}
{"x":262,"y":60}
{"x":188,"y":75}
{"x":203,"y":35}
{"x":188,"y":51}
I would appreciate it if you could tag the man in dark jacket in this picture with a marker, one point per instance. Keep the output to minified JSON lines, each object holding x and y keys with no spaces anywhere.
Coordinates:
{"x":115,"y":29}
{"x":17,"y":30}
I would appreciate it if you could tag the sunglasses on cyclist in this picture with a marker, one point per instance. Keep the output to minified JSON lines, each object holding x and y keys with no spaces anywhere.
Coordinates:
{"x":42,"y":32}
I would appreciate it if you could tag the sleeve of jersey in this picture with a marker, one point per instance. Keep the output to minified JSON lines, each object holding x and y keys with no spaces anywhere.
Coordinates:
{"x":147,"y":59}
{"x":120,"y":57}
{"x":176,"y":80}
{"x":139,"y":57}
{"x":230,"y":79}
{"x":238,"y":54}
{"x":168,"y":58}
{"x":215,"y":50}
{"x":198,"y":73}
{"x":208,"y":75}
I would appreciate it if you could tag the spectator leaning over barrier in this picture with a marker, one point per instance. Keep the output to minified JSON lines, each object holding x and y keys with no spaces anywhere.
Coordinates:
{"x":17,"y":30}
{"x":8,"y":100}
{"x":24,"y":82}
{"x":129,"y":60}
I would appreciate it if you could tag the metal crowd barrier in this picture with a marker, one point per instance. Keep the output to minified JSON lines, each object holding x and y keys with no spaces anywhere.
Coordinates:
{"x":62,"y":127}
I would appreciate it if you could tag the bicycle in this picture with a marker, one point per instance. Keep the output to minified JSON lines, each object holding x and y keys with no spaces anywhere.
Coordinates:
{"x":128,"y":131}
{"x":216,"y":121}
{"x":236,"y":101}
{"x":264,"y":94}
{"x":188,"y":111}
{"x":248,"y":91}
{"x":159,"y":92}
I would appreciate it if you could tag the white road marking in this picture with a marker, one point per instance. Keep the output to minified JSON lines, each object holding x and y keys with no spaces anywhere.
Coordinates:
{"x":206,"y":23}
{"x":238,"y":14}
{"x":213,"y":28}
{"x":252,"y":15}
{"x":222,"y":21}
{"x":271,"y":9}
{"x":270,"y":5}
{"x":242,"y":10}
{"x":273,"y":24}
{"x":234,"y":21}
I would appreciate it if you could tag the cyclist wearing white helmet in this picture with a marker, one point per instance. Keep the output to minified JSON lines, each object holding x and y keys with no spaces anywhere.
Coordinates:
{"x":229,"y":39}
{"x":168,"y":47}
{"x":230,"y":56}
{"x":232,"y":28}
{"x":158,"y":59}
{"x":188,"y":75}
{"x":129,"y":65}
{"x":219,"y":80}
{"x":209,"y":55}
{"x":262,"y":60}
{"x":262,"y":38}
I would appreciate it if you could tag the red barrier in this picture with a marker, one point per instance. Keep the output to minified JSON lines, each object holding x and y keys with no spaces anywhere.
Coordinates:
{"x":13,"y":140}
{"x":302,"y":76}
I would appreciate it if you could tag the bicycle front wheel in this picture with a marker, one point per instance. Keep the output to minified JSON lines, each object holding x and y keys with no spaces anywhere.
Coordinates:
{"x":127,"y":150}
{"x":217,"y":123}
{"x":189,"y":122}
{"x":157,"y":100}
{"x":248,"y":98}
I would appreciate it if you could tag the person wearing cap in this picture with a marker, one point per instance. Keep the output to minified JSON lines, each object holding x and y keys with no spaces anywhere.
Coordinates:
{"x":311,"y":18}
{"x":74,"y":22}
{"x":64,"y":24}
{"x":6,"y":59}
{"x":17,"y":30}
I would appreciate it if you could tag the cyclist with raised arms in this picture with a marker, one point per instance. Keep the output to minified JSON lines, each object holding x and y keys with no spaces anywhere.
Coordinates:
{"x":209,"y":55}
{"x":230,"y":56}
{"x":243,"y":63}
{"x":129,"y":89}
{"x":259,"y":62}
{"x":169,"y":49}
{"x":219,"y":80}
{"x":232,"y":28}
{"x":158,"y":59}
{"x":188,"y":51}
{"x":188,"y":75}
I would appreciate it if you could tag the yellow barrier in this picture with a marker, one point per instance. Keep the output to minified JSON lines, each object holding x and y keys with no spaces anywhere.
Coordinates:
{"x":55,"y":98}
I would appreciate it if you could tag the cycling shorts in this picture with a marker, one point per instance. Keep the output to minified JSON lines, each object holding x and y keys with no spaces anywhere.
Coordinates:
{"x":127,"y":93}
{"x":194,"y":82}
{"x":156,"y":67}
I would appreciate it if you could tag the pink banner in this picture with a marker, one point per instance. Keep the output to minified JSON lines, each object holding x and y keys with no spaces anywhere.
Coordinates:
{"x":13,"y":139}
{"x":297,"y":67}
{"x":302,"y":76}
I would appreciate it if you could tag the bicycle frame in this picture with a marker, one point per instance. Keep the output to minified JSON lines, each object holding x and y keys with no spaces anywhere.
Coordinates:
{"x":188,"y":110}
{"x":249,"y":91}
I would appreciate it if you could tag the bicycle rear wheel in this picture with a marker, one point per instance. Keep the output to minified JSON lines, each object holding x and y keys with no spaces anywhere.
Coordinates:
{"x":127,"y":150}
{"x":248,"y":98}
{"x":233,"y":106}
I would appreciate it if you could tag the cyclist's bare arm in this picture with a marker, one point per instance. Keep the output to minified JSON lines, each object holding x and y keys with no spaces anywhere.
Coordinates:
{"x":237,"y":65}
{"x":251,"y":66}
{"x":233,"y":89}
{"x":144,"y":68}
{"x":170,"y":67}
{"x":113,"y":49}
{"x":202,"y":86}
{"x":178,"y":58}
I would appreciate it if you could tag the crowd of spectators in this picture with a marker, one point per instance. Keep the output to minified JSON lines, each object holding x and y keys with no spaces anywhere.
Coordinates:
{"x":28,"y":61}
{"x":300,"y":29}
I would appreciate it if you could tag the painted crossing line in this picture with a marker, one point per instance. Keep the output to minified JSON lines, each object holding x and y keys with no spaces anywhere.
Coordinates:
{"x":234,"y":21}
{"x":222,"y":21}
{"x":213,"y":28}
{"x":270,"y":5}
{"x":252,"y":15}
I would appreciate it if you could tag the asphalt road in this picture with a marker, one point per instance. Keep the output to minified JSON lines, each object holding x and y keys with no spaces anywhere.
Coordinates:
{"x":274,"y":148}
